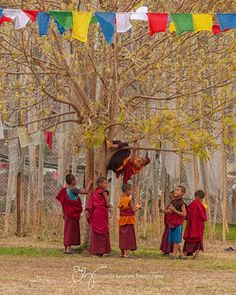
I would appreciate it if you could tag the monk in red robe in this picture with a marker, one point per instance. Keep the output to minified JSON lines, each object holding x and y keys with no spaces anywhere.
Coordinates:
{"x":127,"y":238}
{"x":194,"y":231}
{"x":122,"y":163}
{"x":97,"y":216}
{"x":175,"y":222}
{"x":166,"y":248}
{"x":72,"y":209}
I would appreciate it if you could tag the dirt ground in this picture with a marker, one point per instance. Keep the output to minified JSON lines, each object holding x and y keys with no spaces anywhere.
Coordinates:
{"x":214,"y":273}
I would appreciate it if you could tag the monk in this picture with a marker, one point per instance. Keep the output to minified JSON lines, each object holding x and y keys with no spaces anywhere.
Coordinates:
{"x":175,"y":222}
{"x":97,"y":217}
{"x":127,"y":238}
{"x":122,"y":163}
{"x":194,"y":231}
{"x":72,"y":209}
{"x":166,"y":247}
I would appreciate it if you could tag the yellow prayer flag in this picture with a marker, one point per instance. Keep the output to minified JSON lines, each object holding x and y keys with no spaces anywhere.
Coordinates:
{"x":81,"y":22}
{"x":172,"y":27}
{"x":202,"y":22}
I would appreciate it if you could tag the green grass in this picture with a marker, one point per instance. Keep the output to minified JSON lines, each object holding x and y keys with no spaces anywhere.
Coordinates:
{"x":34,"y":251}
{"x":230,"y":236}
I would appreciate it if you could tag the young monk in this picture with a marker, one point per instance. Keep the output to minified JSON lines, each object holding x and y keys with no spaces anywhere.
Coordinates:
{"x":194,"y":231}
{"x":166,"y":247}
{"x":72,"y":209}
{"x":127,"y":239}
{"x":176,"y":220}
{"x":97,"y":216}
{"x":122,"y":163}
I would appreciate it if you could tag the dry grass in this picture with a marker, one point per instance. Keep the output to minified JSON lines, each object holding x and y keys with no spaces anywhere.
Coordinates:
{"x":146,"y":273}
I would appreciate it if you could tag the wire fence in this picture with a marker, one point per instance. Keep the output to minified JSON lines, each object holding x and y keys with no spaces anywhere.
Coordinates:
{"x":47,"y":214}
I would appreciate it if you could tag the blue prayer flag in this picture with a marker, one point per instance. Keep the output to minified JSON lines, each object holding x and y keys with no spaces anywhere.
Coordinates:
{"x":107,"y":24}
{"x":43,"y":19}
{"x":227,"y":21}
{"x":60,"y":27}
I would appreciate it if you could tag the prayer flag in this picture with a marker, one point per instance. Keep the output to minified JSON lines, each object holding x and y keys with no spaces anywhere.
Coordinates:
{"x":18,"y":16}
{"x":227,"y":21}
{"x":172,"y":27}
{"x":48,"y":138}
{"x":60,"y":27}
{"x":4,"y":19}
{"x":183,"y":22}
{"x":107,"y":24}
{"x":32,"y":14}
{"x":1,"y":130}
{"x":43,"y":19}
{"x":36,"y":138}
{"x":157,"y":22}
{"x":64,"y":18}
{"x":81,"y":21}
{"x":24,"y":137}
{"x":216,"y":29}
{"x":202,"y":22}
{"x":140,"y":14}
{"x":93,"y":20}
{"x":123,"y":23}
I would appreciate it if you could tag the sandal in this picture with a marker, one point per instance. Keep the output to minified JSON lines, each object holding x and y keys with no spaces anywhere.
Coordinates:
{"x":173,"y":257}
{"x":183,"y":257}
{"x":68,"y":252}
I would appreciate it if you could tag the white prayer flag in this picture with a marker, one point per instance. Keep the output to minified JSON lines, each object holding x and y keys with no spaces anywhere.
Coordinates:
{"x":1,"y":130}
{"x":24,"y":137}
{"x":140,"y":14}
{"x":18,"y":16}
{"x":37,"y":138}
{"x":123,"y":23}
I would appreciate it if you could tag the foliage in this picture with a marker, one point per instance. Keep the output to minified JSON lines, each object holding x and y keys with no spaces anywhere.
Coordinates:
{"x":169,"y":88}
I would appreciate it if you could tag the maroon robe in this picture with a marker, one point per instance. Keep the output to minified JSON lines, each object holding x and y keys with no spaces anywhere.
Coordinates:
{"x":166,"y":247}
{"x":194,"y":231}
{"x":71,"y":213}
{"x":97,"y":216}
{"x":127,"y":238}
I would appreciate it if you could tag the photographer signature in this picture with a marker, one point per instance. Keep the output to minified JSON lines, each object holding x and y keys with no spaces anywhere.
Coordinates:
{"x":81,"y":273}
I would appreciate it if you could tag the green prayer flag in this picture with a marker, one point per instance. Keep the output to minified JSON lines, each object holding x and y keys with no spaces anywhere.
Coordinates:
{"x":93,"y":20}
{"x":183,"y":22}
{"x":64,"y":18}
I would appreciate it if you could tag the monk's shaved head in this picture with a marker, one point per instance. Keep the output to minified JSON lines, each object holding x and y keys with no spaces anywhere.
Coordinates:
{"x":200,"y":194}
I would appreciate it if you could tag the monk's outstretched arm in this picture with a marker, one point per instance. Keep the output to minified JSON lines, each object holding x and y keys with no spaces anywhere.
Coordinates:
{"x":181,"y":213}
{"x":133,"y":208}
{"x":87,"y":189}
{"x":134,"y":157}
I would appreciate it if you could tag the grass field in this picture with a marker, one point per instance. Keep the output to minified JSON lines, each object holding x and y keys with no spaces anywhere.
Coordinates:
{"x":32,"y":266}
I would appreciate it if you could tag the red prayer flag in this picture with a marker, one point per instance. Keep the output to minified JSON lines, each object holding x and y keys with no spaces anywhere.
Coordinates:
{"x":157,"y":22}
{"x":5,"y":19}
{"x":32,"y":14}
{"x":48,"y":138}
{"x":216,"y":29}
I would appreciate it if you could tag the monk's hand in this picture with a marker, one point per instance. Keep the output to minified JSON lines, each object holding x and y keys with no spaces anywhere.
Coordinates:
{"x":139,"y":206}
{"x":172,"y":208}
{"x":90,"y":183}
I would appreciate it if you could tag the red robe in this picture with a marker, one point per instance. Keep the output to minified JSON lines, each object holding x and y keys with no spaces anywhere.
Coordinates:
{"x":97,"y":216}
{"x":196,"y":216}
{"x":173,"y":220}
{"x":166,"y":247}
{"x":72,"y":209}
{"x":71,"y":213}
